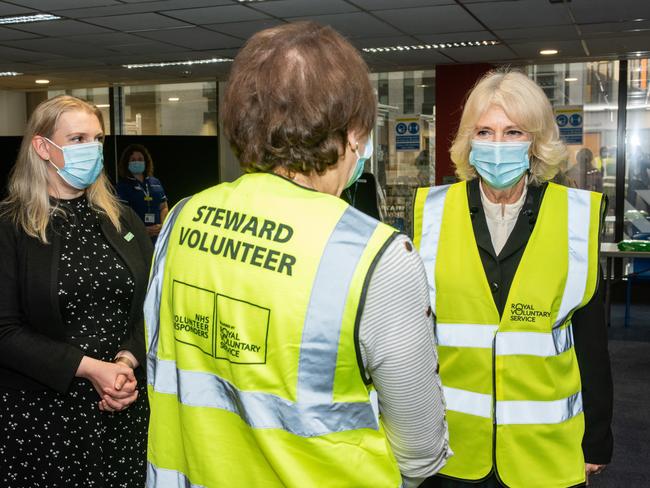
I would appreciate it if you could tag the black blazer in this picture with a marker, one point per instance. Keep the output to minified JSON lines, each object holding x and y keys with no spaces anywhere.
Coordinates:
{"x":34,"y":354}
{"x":589,"y":328}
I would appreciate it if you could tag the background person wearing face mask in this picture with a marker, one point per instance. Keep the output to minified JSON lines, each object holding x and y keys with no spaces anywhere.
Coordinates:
{"x":512,"y":264}
{"x":73,"y":273}
{"x":319,"y":309}
{"x":140,"y":190}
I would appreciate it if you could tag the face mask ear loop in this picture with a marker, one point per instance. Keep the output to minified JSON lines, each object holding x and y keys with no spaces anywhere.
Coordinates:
{"x":55,"y":145}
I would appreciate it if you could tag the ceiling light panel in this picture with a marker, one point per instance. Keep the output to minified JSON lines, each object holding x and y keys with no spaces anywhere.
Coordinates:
{"x":24,"y":19}
{"x":177,"y":63}
{"x":440,"y":45}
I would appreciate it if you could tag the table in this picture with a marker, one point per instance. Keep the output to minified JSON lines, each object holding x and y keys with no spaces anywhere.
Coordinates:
{"x":610,"y":251}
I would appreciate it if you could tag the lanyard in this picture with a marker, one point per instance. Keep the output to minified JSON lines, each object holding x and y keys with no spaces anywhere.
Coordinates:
{"x":144,"y":187}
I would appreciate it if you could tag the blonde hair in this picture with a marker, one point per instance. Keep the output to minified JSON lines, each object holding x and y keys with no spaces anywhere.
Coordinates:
{"x":28,"y":202}
{"x":527,"y":106}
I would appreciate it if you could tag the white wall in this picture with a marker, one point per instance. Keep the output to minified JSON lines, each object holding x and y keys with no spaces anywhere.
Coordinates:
{"x":13,"y":108}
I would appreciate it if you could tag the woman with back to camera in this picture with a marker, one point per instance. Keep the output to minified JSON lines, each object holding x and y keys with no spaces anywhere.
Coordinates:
{"x":512,"y":264}
{"x":73,"y":273}
{"x":140,"y":189}
{"x":320,"y":308}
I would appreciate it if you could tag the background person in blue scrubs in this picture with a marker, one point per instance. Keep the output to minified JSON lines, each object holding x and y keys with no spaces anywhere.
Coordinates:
{"x":138,"y":188}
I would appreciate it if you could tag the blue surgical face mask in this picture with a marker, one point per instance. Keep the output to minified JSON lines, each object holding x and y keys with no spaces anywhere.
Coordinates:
{"x":82,"y":163}
{"x":136,"y":167}
{"x":500,"y":164}
{"x":361,"y":162}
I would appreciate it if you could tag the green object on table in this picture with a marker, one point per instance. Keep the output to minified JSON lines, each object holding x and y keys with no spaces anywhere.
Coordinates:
{"x":634,"y":245}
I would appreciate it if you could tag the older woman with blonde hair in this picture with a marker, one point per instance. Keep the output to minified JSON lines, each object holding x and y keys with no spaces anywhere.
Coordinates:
{"x":512,"y":265}
{"x":73,"y":273}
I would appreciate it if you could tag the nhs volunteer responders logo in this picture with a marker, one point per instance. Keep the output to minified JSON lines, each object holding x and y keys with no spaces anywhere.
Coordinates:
{"x":525,"y":312}
{"x":214,"y":323}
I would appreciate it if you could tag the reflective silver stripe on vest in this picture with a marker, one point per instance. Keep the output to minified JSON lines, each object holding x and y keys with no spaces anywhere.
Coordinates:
{"x":530,"y":412}
{"x":324,"y":318}
{"x":261,"y":410}
{"x":431,"y":222}
{"x":535,"y":343}
{"x":466,"y":335}
{"x":154,"y":290}
{"x":167,"y":478}
{"x":578,"y":265}
{"x":513,"y":412}
{"x":468,"y":402}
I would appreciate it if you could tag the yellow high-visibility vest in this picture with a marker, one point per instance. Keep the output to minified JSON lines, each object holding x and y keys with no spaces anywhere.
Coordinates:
{"x":511,"y":383}
{"x":254,"y":378}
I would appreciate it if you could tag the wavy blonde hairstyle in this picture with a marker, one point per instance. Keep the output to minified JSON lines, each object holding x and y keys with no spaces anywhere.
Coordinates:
{"x":28,"y":201}
{"x":527,"y":106}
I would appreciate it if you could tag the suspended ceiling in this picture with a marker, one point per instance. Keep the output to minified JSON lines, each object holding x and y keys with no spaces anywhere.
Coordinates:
{"x":94,"y":38}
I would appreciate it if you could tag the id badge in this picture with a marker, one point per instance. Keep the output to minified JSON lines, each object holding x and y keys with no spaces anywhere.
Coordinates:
{"x":149,"y":218}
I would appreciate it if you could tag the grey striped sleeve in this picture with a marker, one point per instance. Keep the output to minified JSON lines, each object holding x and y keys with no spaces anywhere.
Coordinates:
{"x":397,"y":346}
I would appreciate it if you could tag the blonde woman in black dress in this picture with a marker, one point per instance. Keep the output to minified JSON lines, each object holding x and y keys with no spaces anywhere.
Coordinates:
{"x":73,"y":272}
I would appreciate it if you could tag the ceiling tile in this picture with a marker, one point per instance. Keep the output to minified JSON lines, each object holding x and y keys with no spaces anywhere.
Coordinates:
{"x":524,"y":13}
{"x":7,"y":9}
{"x":300,"y":8}
{"x":137,"y":22}
{"x":481,"y":54}
{"x":586,"y":11}
{"x":426,"y":59}
{"x":18,"y":67}
{"x":384,"y":41}
{"x":464,"y":2}
{"x":356,"y":24}
{"x":457,"y":37}
{"x":146,"y":47}
{"x":243,"y":30}
{"x":607,"y":46}
{"x":9,"y":53}
{"x":61,"y":28}
{"x":68,"y":62}
{"x":108,"y":39}
{"x":216,"y":15}
{"x":7,"y":34}
{"x":194,"y":38}
{"x":54,"y":5}
{"x":629,"y":27}
{"x":390,"y":4}
{"x":133,"y":8}
{"x":430,"y":20}
{"x":551,"y":32}
{"x":84,"y":12}
{"x":47,"y":46}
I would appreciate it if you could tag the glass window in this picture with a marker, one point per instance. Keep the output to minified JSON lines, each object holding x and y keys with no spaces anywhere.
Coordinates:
{"x":97,"y":96}
{"x":637,"y":150}
{"x":585,"y":99}
{"x":404,"y":156}
{"x":171,"y":109}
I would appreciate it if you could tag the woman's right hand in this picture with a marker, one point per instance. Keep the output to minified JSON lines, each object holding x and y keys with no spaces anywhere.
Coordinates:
{"x":104,"y":377}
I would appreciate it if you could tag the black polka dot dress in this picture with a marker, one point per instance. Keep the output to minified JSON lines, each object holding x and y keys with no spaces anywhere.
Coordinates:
{"x":49,"y":439}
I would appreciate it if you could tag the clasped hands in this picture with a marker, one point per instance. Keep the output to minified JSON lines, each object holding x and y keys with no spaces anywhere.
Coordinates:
{"x":114,"y":382}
